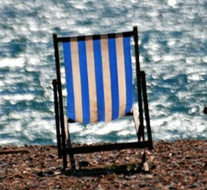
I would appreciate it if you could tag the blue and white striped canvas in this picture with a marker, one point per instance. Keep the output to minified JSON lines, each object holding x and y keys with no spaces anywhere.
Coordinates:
{"x":98,"y":77}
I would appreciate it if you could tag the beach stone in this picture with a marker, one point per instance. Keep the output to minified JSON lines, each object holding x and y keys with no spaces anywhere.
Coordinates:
{"x":99,"y":188}
{"x":205,"y":166}
{"x":2,"y":174}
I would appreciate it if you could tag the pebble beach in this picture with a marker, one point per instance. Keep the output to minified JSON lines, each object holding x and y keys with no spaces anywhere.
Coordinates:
{"x":180,"y":164}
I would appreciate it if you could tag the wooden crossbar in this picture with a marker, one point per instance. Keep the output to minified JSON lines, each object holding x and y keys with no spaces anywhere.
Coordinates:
{"x":105,"y":147}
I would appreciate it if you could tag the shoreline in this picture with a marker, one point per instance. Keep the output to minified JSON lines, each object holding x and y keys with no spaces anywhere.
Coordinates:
{"x":181,"y":164}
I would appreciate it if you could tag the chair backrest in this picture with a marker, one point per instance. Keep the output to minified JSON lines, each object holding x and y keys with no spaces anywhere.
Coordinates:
{"x":98,"y":76}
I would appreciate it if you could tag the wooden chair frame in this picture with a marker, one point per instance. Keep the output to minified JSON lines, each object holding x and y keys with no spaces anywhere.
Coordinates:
{"x":64,"y":144}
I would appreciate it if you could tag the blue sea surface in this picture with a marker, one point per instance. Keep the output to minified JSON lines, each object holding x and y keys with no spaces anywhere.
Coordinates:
{"x":173,"y":52}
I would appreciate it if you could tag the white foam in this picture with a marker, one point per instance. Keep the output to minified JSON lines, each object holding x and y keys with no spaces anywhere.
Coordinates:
{"x":19,"y":97}
{"x":194,"y":77}
{"x":172,"y":2}
{"x":12,"y":62}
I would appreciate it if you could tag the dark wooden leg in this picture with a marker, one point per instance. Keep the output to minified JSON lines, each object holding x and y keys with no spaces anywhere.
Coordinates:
{"x":146,"y":108}
{"x":57,"y":117}
{"x":72,"y":163}
{"x":64,"y":162}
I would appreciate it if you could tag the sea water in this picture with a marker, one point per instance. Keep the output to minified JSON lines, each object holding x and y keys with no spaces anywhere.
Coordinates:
{"x":173,"y":53}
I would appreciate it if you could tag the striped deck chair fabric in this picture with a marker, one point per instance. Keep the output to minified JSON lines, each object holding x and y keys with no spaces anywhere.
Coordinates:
{"x":99,"y":77}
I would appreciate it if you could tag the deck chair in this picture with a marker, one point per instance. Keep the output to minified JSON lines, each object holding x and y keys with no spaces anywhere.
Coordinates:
{"x":98,"y":70}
